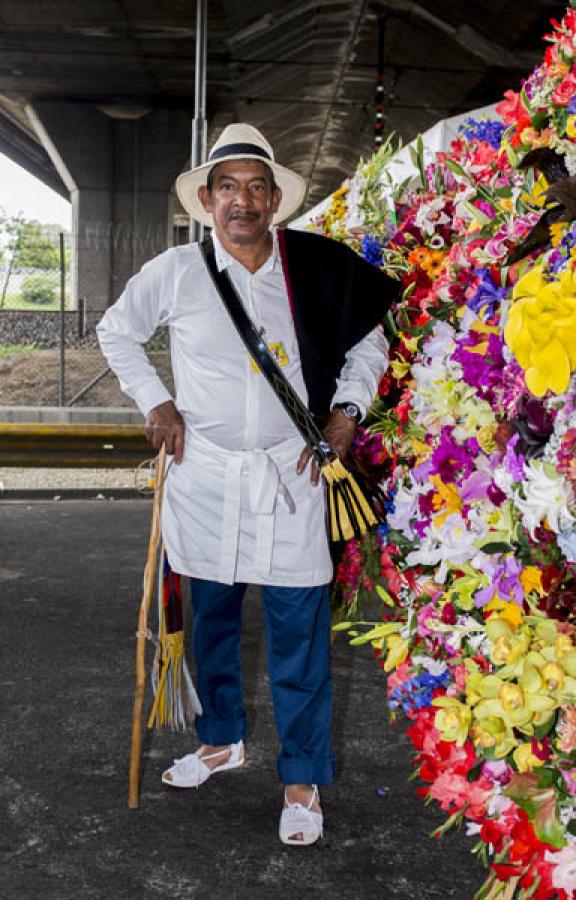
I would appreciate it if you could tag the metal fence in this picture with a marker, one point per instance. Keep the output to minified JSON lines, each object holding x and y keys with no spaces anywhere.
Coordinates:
{"x":49,"y":355}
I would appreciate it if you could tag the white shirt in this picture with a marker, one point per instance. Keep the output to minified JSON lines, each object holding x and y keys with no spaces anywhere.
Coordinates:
{"x":225,"y":402}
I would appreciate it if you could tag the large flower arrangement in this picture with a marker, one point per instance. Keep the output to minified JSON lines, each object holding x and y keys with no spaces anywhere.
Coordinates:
{"x":474,"y":436}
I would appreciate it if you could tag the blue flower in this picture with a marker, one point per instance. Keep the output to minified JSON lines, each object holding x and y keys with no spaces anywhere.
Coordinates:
{"x":487,"y":294}
{"x":371,"y":248}
{"x":489,"y":131}
{"x":418,"y":692}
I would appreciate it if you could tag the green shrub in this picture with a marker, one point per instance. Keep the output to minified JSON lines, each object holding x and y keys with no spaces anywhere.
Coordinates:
{"x":39,"y":289}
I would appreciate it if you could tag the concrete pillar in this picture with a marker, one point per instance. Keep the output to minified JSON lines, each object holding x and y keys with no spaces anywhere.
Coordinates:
{"x":120,"y":170}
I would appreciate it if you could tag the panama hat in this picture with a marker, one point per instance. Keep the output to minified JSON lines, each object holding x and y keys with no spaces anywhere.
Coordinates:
{"x":240,"y":141}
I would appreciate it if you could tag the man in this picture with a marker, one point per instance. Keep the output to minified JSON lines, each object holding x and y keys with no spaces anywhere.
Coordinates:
{"x":236,"y":507}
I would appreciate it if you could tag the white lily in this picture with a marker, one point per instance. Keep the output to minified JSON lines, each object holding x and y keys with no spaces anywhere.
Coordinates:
{"x":546,"y":496}
{"x":564,"y":871}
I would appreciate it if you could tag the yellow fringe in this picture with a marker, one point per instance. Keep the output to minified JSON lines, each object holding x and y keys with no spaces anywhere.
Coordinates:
{"x":340,"y":524}
{"x":171,"y":663}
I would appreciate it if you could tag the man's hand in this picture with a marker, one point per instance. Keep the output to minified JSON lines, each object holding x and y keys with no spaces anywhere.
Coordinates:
{"x":339,"y":432}
{"x":165,"y":425}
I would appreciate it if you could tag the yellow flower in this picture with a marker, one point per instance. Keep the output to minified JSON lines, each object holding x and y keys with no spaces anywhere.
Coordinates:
{"x":492,"y":733}
{"x":485,"y":438}
{"x":557,"y":230}
{"x":507,"y":611}
{"x":525,"y":759}
{"x":421,"y":450}
{"x":433,"y":263}
{"x":541,"y":330}
{"x":562,"y":646}
{"x":553,"y":676}
{"x":453,"y":719}
{"x":398,"y":648}
{"x":537,"y":197}
{"x":411,"y":343}
{"x":571,"y":127}
{"x":400,"y":368}
{"x":446,"y":498}
{"x":511,"y":697}
{"x":531,"y":580}
{"x":507,"y":650}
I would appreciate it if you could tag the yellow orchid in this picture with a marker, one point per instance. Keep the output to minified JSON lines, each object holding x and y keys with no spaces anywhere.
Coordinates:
{"x":507,"y":649}
{"x":400,"y":367}
{"x":531,"y":580}
{"x":453,"y":719}
{"x":492,"y":733}
{"x":506,"y":610}
{"x":522,"y":705}
{"x":446,"y":499}
{"x":541,"y":330}
{"x":526,"y":760}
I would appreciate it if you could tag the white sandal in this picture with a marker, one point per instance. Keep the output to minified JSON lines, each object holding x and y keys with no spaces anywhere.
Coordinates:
{"x":299,"y":819}
{"x":191,"y":771}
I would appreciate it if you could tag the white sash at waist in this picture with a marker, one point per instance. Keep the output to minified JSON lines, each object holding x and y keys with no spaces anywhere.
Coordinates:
{"x":263,"y":472}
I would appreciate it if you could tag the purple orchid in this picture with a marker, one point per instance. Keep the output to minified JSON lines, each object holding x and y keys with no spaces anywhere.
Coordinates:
{"x":451,"y":459}
{"x":504,"y":581}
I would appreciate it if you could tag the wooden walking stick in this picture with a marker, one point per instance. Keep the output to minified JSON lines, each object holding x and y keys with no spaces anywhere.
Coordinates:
{"x":142,"y":632}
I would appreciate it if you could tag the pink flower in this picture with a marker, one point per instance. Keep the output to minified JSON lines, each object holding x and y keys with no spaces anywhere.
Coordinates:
{"x":426,"y":616}
{"x":397,"y":677}
{"x":511,"y":108}
{"x":453,"y":791}
{"x":569,"y":776}
{"x":498,"y":771}
{"x":564,"y":91}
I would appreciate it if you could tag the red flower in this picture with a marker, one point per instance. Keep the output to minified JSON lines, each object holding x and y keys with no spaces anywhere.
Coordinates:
{"x":385,"y":384}
{"x":564,"y":91}
{"x":448,"y":614}
{"x":510,"y":109}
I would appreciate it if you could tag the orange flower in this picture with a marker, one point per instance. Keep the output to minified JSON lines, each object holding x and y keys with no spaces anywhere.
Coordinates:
{"x":433,"y":264}
{"x":417,"y":256}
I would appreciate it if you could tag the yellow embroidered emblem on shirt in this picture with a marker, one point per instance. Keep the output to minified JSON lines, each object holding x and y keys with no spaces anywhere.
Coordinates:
{"x":278,"y":354}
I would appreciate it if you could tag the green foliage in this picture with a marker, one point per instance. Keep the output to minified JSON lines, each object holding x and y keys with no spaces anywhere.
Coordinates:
{"x":10,"y":349}
{"x":32,"y":248}
{"x":39,"y":289}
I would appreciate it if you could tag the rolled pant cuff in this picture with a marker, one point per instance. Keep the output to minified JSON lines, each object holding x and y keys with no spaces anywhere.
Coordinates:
{"x":220,"y":731}
{"x":306,"y":771}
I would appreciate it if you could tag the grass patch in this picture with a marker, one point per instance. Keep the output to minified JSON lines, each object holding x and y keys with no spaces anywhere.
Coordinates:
{"x":9,"y":349}
{"x":15,"y":301}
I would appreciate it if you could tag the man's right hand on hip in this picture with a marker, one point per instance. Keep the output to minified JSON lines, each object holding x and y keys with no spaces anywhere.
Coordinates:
{"x":165,"y":425}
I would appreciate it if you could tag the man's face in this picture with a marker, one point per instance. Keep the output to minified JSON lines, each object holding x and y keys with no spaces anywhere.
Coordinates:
{"x":241,"y":201}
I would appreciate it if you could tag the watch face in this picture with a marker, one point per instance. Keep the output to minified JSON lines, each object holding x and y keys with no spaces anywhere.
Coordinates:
{"x":351,"y":410}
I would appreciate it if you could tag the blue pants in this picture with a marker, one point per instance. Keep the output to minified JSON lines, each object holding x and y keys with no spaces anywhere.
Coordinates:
{"x":297,"y":628}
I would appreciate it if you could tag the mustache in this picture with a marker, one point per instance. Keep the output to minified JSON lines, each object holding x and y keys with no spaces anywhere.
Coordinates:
{"x":243,"y":214}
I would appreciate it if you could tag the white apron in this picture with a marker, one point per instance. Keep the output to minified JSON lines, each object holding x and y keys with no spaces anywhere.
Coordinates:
{"x":245,"y":516}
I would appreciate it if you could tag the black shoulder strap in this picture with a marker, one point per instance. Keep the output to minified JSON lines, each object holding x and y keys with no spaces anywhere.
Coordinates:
{"x":257,"y":348}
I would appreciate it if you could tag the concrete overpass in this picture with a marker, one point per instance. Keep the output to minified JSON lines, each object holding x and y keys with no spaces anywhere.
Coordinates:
{"x":96,"y":96}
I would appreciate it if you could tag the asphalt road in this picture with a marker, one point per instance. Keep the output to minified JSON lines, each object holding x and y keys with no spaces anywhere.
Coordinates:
{"x":70,"y":578}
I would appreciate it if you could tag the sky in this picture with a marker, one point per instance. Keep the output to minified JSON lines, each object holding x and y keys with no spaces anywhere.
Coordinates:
{"x":21,"y":192}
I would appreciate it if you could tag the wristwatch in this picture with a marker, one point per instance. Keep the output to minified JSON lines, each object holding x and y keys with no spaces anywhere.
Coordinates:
{"x":350,"y":410}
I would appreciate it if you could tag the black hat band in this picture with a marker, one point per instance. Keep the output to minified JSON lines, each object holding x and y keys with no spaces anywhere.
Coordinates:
{"x":238,"y":150}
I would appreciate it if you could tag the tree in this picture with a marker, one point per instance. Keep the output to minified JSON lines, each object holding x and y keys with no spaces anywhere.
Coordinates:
{"x":26,"y":246}
{"x":32,"y":248}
